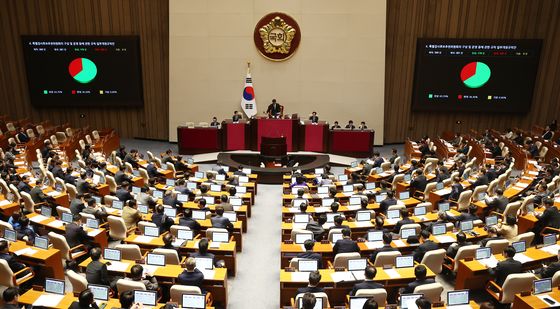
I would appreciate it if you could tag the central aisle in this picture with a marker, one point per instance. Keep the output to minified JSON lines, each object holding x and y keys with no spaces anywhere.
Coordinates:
{"x":256,"y":284}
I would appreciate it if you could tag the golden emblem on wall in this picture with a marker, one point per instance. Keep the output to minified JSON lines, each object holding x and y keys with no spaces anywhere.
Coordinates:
{"x":277,"y":36}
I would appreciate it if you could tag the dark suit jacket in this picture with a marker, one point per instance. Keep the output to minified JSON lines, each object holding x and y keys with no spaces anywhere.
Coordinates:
{"x":76,"y":305}
{"x":15,"y":266}
{"x":171,"y":201}
{"x":96,"y":273}
{"x":236,"y":118}
{"x":194,"y":278}
{"x":274,"y":109}
{"x":22,"y":186}
{"x":345,"y":245}
{"x":456,"y":190}
{"x":411,"y":286}
{"x":152,"y":170}
{"x":309,"y":289}
{"x":314,"y":118}
{"x":191,"y":223}
{"x":221,"y":222}
{"x":400,"y":223}
{"x":482,"y":180}
{"x":384,"y":205}
{"x":75,"y":235}
{"x":161,"y":223}
{"x":316,"y":228}
{"x":367,"y":284}
{"x":121,"y":177}
{"x":499,"y":203}
{"x":418,"y":184}
{"x":58,"y":172}
{"x":123,"y":195}
{"x":82,"y":186}
{"x":419,"y":252}
{"x":550,"y":270}
{"x":505,"y":268}
{"x":310,"y":255}
{"x":550,"y":217}
{"x":37,"y":194}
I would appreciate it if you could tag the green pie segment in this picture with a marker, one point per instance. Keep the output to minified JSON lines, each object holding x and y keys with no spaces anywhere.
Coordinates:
{"x":475,"y":74}
{"x":82,"y":70}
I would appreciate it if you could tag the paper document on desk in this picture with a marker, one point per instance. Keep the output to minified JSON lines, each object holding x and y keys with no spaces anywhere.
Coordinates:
{"x":48,"y":300}
{"x":293,"y":210}
{"x":362,"y":223}
{"x":554,"y":304}
{"x":340,"y":276}
{"x":422,"y":218}
{"x":5,"y":202}
{"x":150,"y":269}
{"x":328,"y":225}
{"x":392,"y":273}
{"x":118,"y":266}
{"x":399,"y":243}
{"x":27,"y":251}
{"x":93,"y":233}
{"x":214,"y":245}
{"x":53,"y":193}
{"x":553,"y":249}
{"x":299,"y":226}
{"x":300,"y":276}
{"x":522,"y":258}
{"x":321,"y":209}
{"x":490,"y":262}
{"x":392,"y":221}
{"x":38,"y":218}
{"x":353,"y":207}
{"x":56,"y":223}
{"x":178,"y":243}
{"x":359,"y":275}
{"x":459,"y":307}
{"x":534,"y":173}
{"x":442,"y":239}
{"x":143,"y":239}
{"x":374,"y":244}
{"x":208,"y":273}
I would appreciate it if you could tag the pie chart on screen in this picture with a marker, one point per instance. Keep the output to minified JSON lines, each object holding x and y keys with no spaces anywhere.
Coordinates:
{"x":82,"y":70}
{"x":475,"y":74}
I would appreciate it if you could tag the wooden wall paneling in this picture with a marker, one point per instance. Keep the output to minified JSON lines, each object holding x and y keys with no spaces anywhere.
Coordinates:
{"x":408,"y":20}
{"x":147,"y":18}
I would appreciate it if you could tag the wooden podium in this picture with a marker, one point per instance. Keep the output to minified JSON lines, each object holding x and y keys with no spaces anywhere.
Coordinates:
{"x":274,"y":147}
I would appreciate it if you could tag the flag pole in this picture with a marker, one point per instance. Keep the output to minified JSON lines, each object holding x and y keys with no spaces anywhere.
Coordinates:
{"x":248,"y":67}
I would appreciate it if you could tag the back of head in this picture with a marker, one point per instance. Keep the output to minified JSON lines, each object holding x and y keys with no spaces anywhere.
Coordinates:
{"x":126,"y":299}
{"x":136,"y":271}
{"x":404,"y":213}
{"x":95,"y":253}
{"x":420,"y":272}
{"x":219,"y":210}
{"x":334,"y":207}
{"x":425,"y":234}
{"x":314,"y":278}
{"x":370,"y":304}
{"x":500,"y":191}
{"x":168,"y":239}
{"x":423,"y":303}
{"x":379,"y":222}
{"x":308,"y":301}
{"x":511,"y":220}
{"x":85,"y":298}
{"x":159,"y":209}
{"x":370,"y":272}
{"x":390,"y":194}
{"x":461,"y":237}
{"x":338,"y":220}
{"x":308,"y":244}
{"x":10,"y":294}
{"x":203,"y":246}
{"x":387,"y":238}
{"x":322,"y":219}
{"x":346,"y":232}
{"x":190,"y":264}
{"x":509,"y":252}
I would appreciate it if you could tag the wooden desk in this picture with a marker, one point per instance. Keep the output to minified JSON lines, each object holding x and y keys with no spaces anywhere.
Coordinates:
{"x":7,"y":208}
{"x":337,"y":291}
{"x":217,"y":285}
{"x":50,"y":259}
{"x":533,"y":302}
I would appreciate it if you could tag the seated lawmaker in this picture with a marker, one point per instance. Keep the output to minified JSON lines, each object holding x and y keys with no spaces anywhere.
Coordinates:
{"x":161,"y":220}
{"x":405,"y":220}
{"x":236,"y":116}
{"x":11,"y":259}
{"x":497,"y":203}
{"x":149,"y":280}
{"x":335,"y":126}
{"x":317,"y":227}
{"x":368,"y":283}
{"x":350,"y":125}
{"x":309,"y":254}
{"x":346,"y":244}
{"x":454,"y":247}
{"x":420,"y":271}
{"x":191,"y":275}
{"x":387,"y":239}
{"x":506,"y":267}
{"x":509,"y":230}
{"x":551,"y":269}
{"x":85,"y":301}
{"x":425,"y":246}
{"x":314,"y":118}
{"x":362,"y":126}
{"x":189,"y":222}
{"x":219,"y":221}
{"x":96,"y":271}
{"x":312,"y":287}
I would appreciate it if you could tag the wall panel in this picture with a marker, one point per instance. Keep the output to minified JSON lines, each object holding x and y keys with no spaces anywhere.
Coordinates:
{"x":147,"y":18}
{"x":519,"y":19}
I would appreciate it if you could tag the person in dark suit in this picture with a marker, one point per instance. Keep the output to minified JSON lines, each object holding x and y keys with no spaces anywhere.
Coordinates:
{"x":314,"y":279}
{"x":14,"y":265}
{"x":22,"y":136}
{"x":362,"y":126}
{"x":203,"y":251}
{"x":482,"y":179}
{"x":96,"y":272}
{"x":57,"y":170}
{"x":132,"y":158}
{"x":427,"y":245}
{"x":454,"y":247}
{"x":387,"y":239}
{"x":531,"y":148}
{"x":418,"y":182}
{"x":390,"y":200}
{"x":308,"y":301}
{"x":314,"y":118}
{"x":551,"y":269}
{"x":309,"y":254}
{"x":123,"y":193}
{"x":23,"y":184}
{"x":547,"y":134}
{"x":491,"y":173}
{"x":405,"y":220}
{"x":188,"y":221}
{"x":162,"y":221}
{"x":492,"y":235}
{"x":37,"y":195}
{"x":549,"y":218}
{"x":274,"y":110}
{"x":11,"y":298}
{"x":350,"y":125}
{"x":121,"y":176}
{"x":317,"y":227}
{"x":420,"y":272}
{"x":369,"y":273}
{"x":99,"y":212}
{"x":219,"y":221}
{"x":191,"y":275}
{"x":82,"y":186}
{"x":338,"y":224}
{"x":346,"y":244}
{"x":170,"y":199}
{"x":335,"y":126}
{"x":75,"y":234}
{"x":77,"y":205}
{"x":466,"y":215}
{"x":25,"y":230}
{"x":506,"y":267}
{"x":152,"y":169}
{"x":236,"y":116}
{"x":214,"y":122}
{"x":85,"y":301}
{"x":497,"y":203}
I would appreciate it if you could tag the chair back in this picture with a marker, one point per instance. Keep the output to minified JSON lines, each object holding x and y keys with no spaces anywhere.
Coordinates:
{"x":331,"y":232}
{"x":386,"y":166}
{"x":502,"y":181}
{"x":429,"y":188}
{"x":303,"y":232}
{"x":431,"y":291}
{"x":527,"y":237}
{"x":82,"y":146}
{"x":142,"y":225}
{"x":95,"y":135}
{"x":380,"y":295}
{"x":15,"y":191}
{"x":543,"y":151}
{"x":117,"y":228}
{"x":174,"y":229}
{"x":428,"y":205}
{"x":129,"y":251}
{"x":464,"y":200}
{"x":59,"y":242}
{"x":341,"y":259}
{"x":124,"y":285}
{"x":88,"y":139}
{"x":463,"y":253}
{"x":398,"y":178}
{"x":54,"y":140}
{"x":108,"y":200}
{"x":317,"y":295}
{"x":61,"y":183}
{"x":28,"y":203}
{"x":40,"y":129}
{"x":514,"y":284}
{"x":4,"y":187}
{"x":11,"y":127}
{"x":415,"y":226}
{"x":491,"y":191}
{"x":397,"y":207}
{"x":497,"y":245}
{"x":150,"y":155}
{"x":69,"y":131}
{"x":61,"y":209}
{"x":556,"y":278}
{"x":71,"y":190}
{"x":386,"y":258}
{"x":210,"y":231}
{"x":477,"y":190}
{"x":434,"y":260}
{"x":171,"y":256}
{"x":111,"y":183}
{"x":86,"y":216}
{"x":397,"y":161}
{"x":128,"y":168}
{"x":177,"y":290}
{"x":79,"y":283}
{"x":6,"y":274}
{"x":512,"y":209}
{"x":144,"y":174}
{"x":30,"y":133}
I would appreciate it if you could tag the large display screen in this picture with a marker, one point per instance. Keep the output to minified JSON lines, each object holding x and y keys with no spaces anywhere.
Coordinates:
{"x":475,"y":75}
{"x":83,"y":71}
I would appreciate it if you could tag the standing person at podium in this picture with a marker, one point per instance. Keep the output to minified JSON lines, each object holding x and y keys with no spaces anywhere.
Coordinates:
{"x":274,"y":110}
{"x":314,"y":118}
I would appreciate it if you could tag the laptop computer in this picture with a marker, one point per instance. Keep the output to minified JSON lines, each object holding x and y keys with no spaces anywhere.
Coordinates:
{"x":466,"y":226}
{"x":301,"y":218}
{"x":439,"y":186}
{"x":363,"y":216}
{"x":375,"y":236}
{"x":147,"y":298}
{"x":66,"y":217}
{"x":55,"y":286}
{"x":193,"y":301}
{"x":405,"y":233}
{"x":519,"y":246}
{"x":231,"y":215}
{"x":241,"y":189}
{"x":458,"y":298}
{"x":348,"y":188}
{"x":199,"y":214}
{"x":209,"y":200}
{"x":439,"y":229}
{"x":158,"y":194}
{"x":220,"y":237}
{"x":10,"y":235}
{"x":182,"y":197}
{"x":185,"y":234}
{"x":100,"y":292}
{"x":420,"y":210}
{"x":379,"y":198}
{"x":357,"y":264}
{"x":235,"y":201}
{"x":483,"y":253}
{"x":407,"y":178}
{"x":301,"y":238}
{"x":243,"y":179}
{"x":342,"y":177}
{"x":155,"y":259}
{"x":216,"y":188}
{"x":370,"y":185}
{"x":170,"y":212}
{"x":41,"y":242}
{"x":327,"y":202}
{"x":308,"y":265}
{"x":117,"y":204}
{"x":393,"y":214}
{"x":199,"y":175}
{"x":247,"y":171}
{"x":318,"y":171}
{"x":491,"y":220}
{"x":357,"y":302}
{"x":549,"y":239}
{"x":143,"y":208}
{"x":46,"y":211}
{"x":152,"y":231}
{"x":355,"y":200}
{"x":136,"y":190}
{"x":443,"y":206}
{"x":112,"y":254}
{"x":204,"y":263}
{"x":336,"y":237}
{"x":404,"y":261}
{"x":191,"y":185}
{"x":92,"y":223}
{"x":404,"y":195}
{"x":170,"y":182}
{"x":408,"y":301}
{"x":220,"y":177}
{"x":542,"y":286}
